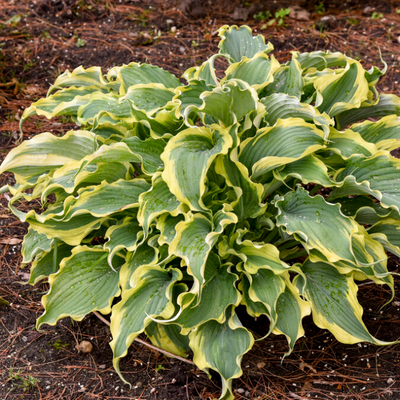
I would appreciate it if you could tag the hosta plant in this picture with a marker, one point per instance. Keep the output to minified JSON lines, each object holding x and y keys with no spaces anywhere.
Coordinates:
{"x":178,"y":207}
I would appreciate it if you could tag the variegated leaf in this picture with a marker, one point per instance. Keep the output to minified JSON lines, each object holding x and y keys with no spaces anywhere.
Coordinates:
{"x":84,"y":283}
{"x":217,"y":294}
{"x":333,"y":299}
{"x":221,"y":347}
{"x":321,"y":226}
{"x":187,"y":158}
{"x":239,"y":43}
{"x":285,"y":142}
{"x":150,"y":296}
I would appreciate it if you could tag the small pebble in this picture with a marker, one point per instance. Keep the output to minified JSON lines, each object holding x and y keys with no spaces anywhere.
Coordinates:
{"x":84,"y":347}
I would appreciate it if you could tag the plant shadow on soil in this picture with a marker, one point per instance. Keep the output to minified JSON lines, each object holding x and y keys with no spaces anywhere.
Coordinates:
{"x":42,"y":38}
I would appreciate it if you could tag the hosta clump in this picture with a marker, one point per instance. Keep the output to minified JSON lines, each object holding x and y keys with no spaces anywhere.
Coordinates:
{"x":175,"y":204}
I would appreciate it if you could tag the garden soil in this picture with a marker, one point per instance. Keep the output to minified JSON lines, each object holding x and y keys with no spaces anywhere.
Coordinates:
{"x":39,"y":39}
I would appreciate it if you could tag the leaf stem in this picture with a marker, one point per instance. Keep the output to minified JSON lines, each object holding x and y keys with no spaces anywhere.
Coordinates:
{"x":4,"y":189}
{"x":271,"y":236}
{"x":315,"y":189}
{"x":55,"y":255}
{"x":287,"y":244}
{"x":296,"y":255}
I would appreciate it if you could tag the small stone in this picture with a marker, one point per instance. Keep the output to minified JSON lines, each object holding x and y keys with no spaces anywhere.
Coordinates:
{"x":153,"y":390}
{"x":173,"y":29}
{"x":240,"y":14}
{"x":84,"y":347}
{"x":240,"y":391}
{"x":173,"y":380}
{"x":261,"y":365}
{"x":390,"y":381}
{"x":326,"y":22}
{"x":298,"y":13}
{"x":182,"y":49}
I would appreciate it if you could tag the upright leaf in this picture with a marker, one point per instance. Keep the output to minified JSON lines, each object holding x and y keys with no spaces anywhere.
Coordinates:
{"x":342,"y":91}
{"x":249,"y":194}
{"x":221,"y":347}
{"x":33,"y":244}
{"x":156,"y":201}
{"x":290,"y":310}
{"x":294,"y":80}
{"x":187,"y":158}
{"x":194,"y":240}
{"x":239,"y":42}
{"x":218,"y":293}
{"x":256,"y":71}
{"x":149,"y":297}
{"x":48,"y":263}
{"x":122,"y":236}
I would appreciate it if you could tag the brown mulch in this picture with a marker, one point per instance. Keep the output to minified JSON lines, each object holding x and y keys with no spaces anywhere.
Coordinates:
{"x":39,"y":39}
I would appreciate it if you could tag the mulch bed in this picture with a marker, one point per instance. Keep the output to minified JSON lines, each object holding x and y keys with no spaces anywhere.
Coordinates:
{"x":39,"y":39}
